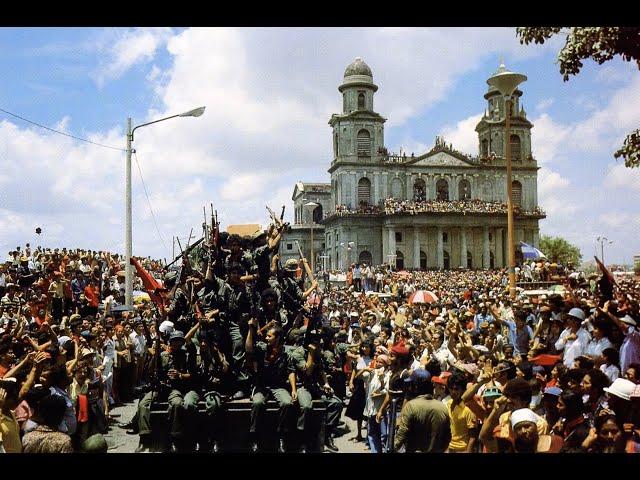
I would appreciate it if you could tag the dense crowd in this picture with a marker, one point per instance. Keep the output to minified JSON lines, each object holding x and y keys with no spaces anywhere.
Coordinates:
{"x":394,"y":206}
{"x":470,"y":371}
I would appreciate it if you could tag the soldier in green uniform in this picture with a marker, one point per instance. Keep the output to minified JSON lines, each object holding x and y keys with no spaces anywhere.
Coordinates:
{"x":275,"y":375}
{"x":178,"y":386}
{"x":178,"y":309}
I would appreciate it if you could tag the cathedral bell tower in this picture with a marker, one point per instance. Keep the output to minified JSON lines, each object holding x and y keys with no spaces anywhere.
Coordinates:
{"x":491,"y":128}
{"x":358,"y":132}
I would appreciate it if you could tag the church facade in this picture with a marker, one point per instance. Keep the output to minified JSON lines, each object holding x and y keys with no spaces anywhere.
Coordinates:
{"x":441,"y":209}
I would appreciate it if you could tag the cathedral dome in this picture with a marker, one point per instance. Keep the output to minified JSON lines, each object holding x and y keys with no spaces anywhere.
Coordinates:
{"x":358,"y":67}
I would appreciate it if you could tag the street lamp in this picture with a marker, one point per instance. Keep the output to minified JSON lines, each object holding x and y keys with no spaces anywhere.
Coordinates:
{"x":506,"y":82}
{"x":311,"y":206}
{"x":602,"y":241}
{"x":127,"y":241}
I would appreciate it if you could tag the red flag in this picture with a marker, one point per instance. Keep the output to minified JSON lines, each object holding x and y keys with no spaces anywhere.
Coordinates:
{"x":156,"y":291}
{"x":606,"y":282}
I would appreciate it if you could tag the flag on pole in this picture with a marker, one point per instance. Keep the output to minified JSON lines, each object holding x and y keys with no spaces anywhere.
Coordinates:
{"x":531,"y":253}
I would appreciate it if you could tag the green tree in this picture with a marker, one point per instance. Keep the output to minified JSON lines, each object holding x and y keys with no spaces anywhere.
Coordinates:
{"x":599,"y":44}
{"x":636,"y":268}
{"x":557,"y":249}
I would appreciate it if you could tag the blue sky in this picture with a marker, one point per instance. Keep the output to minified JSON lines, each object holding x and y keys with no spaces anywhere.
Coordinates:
{"x":269,"y":94}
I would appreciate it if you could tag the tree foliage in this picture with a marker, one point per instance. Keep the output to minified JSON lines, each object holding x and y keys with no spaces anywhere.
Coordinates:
{"x":600,"y":44}
{"x":557,"y":249}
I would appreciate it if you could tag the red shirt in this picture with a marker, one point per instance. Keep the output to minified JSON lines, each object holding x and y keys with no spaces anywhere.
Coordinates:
{"x":92,"y":295}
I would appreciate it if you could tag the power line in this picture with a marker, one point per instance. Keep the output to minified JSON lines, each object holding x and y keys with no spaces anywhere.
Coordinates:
{"x":153,"y":215}
{"x":59,"y":132}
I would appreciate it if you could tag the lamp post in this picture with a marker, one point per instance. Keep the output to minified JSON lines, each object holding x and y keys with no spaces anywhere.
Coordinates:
{"x":506,"y":83}
{"x":311,"y":206}
{"x":127,"y":240}
{"x":602,"y":241}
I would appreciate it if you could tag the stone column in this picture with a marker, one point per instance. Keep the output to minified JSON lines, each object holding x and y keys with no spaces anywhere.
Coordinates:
{"x":354,"y":187}
{"x":385,"y":181}
{"x":439,"y":250}
{"x":485,"y":247}
{"x":463,"y":247}
{"x":392,"y":246}
{"x":416,"y":247}
{"x":499,"y":251}
{"x":409,"y":192}
{"x":375,"y":198}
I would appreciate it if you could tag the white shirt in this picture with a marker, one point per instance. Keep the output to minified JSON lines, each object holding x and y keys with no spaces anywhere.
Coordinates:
{"x":610,"y":371}
{"x":573,"y":348}
{"x":139,"y":343}
{"x":595,"y":347}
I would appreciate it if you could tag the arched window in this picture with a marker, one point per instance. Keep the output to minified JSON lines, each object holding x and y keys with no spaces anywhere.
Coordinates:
{"x":317,"y":214}
{"x":423,"y":260}
{"x":399,"y":260}
{"x":464,"y":190}
{"x":364,"y":143}
{"x":516,"y":193}
{"x":419,"y":190}
{"x":442,"y":190}
{"x":360,"y":100}
{"x":446,"y":260}
{"x":396,"y":189}
{"x":516,"y":154}
{"x":469,"y":259}
{"x":492,"y":260}
{"x":485,"y":148}
{"x":364,"y":191}
{"x":365,"y":257}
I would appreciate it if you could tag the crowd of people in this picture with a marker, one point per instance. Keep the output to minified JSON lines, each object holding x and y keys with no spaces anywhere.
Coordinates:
{"x":395,"y":206}
{"x":472,"y":371}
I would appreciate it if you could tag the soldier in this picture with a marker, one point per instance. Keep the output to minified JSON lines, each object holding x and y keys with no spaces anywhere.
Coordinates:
{"x":238,"y":257}
{"x":289,"y":290}
{"x":269,"y":311}
{"x":178,"y":310}
{"x":275,"y":378}
{"x":315,"y":385}
{"x":246,"y":305}
{"x":217,"y":380}
{"x":178,"y":386}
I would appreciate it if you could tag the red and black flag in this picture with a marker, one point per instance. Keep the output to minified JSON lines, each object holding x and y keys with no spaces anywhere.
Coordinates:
{"x":156,"y":291}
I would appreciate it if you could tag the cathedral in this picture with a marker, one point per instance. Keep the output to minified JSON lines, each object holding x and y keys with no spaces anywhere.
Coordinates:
{"x":442,"y":209}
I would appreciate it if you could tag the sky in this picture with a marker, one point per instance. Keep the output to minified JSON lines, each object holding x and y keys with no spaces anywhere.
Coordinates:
{"x":269,"y":94}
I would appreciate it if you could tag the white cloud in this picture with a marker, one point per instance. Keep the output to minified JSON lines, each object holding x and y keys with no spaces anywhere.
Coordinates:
{"x":619,"y":176}
{"x":550,"y":182}
{"x":124,"y":49}
{"x":463,"y":136}
{"x":615,"y":219}
{"x":549,"y":139}
{"x":544,"y":104}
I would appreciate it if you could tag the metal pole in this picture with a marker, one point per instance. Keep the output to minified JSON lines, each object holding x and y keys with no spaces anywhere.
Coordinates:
{"x":512,"y":252}
{"x":312,"y":259}
{"x":127,"y":240}
{"x":602,"y":250}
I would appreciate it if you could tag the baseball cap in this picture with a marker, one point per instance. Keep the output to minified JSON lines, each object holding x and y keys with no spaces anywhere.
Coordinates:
{"x":492,"y":392}
{"x":418,"y":375}
{"x":555,"y":391}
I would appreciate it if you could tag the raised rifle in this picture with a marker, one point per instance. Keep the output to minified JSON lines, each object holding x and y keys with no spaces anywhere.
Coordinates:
{"x":314,"y":325}
{"x":307,"y":267}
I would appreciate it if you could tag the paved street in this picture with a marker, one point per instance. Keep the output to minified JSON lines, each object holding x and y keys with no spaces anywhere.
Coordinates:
{"x":120,"y":442}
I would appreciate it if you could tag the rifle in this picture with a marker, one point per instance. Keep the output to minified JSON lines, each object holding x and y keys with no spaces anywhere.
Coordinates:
{"x":315,"y":316}
{"x":186,"y":252}
{"x":307,"y":268}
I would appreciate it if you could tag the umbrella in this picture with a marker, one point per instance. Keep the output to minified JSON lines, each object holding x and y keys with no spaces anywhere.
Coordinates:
{"x":529,"y":252}
{"x":423,"y":296}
